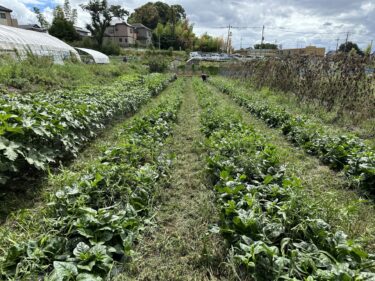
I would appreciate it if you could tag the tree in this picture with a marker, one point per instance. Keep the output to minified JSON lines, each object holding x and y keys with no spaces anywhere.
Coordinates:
{"x":347,"y":47}
{"x":69,"y":13}
{"x":147,"y":14}
{"x":150,"y":14}
{"x":163,"y":11}
{"x":61,"y":27}
{"x":101,"y":17}
{"x":177,"y":13}
{"x":265,"y":46}
{"x":207,"y":43}
{"x":368,"y":50}
{"x":159,"y":31}
{"x":40,"y":17}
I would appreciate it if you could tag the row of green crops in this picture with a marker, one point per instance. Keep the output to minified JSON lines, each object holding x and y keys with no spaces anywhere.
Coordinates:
{"x":90,"y":224}
{"x":346,"y":152}
{"x":273,"y":233}
{"x":41,"y":128}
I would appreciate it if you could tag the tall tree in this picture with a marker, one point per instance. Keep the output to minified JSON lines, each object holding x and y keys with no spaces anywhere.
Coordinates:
{"x":265,"y":46}
{"x":347,"y":47}
{"x":159,"y":32}
{"x":147,"y":14}
{"x":61,"y":26}
{"x":178,"y":13}
{"x":69,"y":13}
{"x":40,"y":17}
{"x":101,"y":16}
{"x":163,"y":11}
{"x":150,"y":14}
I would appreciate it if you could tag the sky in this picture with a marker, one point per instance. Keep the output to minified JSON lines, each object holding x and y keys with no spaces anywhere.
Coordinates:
{"x":289,"y":23}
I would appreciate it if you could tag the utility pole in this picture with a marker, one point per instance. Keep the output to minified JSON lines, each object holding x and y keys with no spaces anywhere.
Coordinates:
{"x":241,"y":44}
{"x":346,"y":40}
{"x":262,"y":41}
{"x":372,"y":41}
{"x":337,"y":44}
{"x":228,"y":39}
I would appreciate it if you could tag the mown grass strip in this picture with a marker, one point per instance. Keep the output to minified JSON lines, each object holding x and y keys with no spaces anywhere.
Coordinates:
{"x":40,"y":129}
{"x":275,"y":235}
{"x":90,"y":224}
{"x":345,"y":152}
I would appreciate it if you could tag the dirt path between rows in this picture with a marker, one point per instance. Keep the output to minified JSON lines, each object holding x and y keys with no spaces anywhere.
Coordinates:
{"x":179,"y":247}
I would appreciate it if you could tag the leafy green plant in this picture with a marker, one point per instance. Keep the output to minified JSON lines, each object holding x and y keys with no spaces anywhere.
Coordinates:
{"x":274,"y":234}
{"x":43,"y":128}
{"x":346,"y":152}
{"x":93,"y":220}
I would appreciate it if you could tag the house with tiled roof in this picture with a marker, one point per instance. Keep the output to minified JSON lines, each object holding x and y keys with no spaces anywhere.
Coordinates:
{"x":144,"y":34}
{"x":121,"y":33}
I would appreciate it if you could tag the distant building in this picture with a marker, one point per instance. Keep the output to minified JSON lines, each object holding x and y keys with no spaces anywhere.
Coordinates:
{"x":261,"y":53}
{"x":6,"y":18}
{"x":309,"y":51}
{"x":144,"y":34}
{"x":250,"y":52}
{"x":122,"y":33}
{"x":82,"y":32}
{"x":33,"y":27}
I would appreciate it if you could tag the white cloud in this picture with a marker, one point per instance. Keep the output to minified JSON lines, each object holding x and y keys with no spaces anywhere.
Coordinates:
{"x":289,"y":22}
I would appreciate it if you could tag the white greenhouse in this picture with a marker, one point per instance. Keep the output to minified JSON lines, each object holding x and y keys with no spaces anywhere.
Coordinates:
{"x":16,"y":40}
{"x":98,"y":57}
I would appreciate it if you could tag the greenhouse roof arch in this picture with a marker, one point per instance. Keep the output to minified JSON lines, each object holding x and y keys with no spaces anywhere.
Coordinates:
{"x":97,"y":56}
{"x":23,"y":41}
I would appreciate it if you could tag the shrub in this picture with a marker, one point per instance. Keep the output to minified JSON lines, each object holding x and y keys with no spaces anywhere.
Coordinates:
{"x":157,"y":63}
{"x":111,"y":48}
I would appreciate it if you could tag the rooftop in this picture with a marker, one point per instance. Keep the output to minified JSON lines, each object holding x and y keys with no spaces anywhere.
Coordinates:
{"x":139,"y":25}
{"x":81,"y":29}
{"x":34,"y":27}
{"x":2,"y":8}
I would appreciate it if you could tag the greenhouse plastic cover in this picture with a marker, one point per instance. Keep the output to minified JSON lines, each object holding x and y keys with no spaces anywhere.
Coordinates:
{"x":97,"y":56}
{"x":38,"y":43}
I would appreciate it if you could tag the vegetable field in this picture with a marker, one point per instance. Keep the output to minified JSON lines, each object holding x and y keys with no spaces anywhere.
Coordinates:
{"x":42,"y":128}
{"x":153,"y":178}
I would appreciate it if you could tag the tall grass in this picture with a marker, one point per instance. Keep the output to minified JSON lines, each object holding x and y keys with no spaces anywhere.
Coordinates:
{"x":40,"y":73}
{"x":340,"y":84}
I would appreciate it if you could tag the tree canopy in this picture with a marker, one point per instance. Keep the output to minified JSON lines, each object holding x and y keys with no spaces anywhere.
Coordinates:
{"x":349,"y":46}
{"x":266,"y":46}
{"x":63,"y":21}
{"x":40,"y":17}
{"x":101,"y":16}
{"x":150,"y":14}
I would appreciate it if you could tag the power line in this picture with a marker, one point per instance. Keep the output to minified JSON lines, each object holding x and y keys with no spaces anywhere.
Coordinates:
{"x":283,"y":29}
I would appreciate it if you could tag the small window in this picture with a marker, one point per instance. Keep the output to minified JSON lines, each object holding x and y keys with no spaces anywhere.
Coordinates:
{"x":126,"y":40}
{"x":116,"y":28}
{"x":3,"y":16}
{"x":131,"y":30}
{"x":120,"y":39}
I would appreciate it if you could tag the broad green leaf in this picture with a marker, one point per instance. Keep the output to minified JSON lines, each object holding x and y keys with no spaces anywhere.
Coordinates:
{"x":81,"y":251}
{"x":88,"y":277}
{"x":62,"y":270}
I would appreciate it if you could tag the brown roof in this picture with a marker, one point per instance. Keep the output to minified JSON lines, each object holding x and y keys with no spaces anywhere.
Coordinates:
{"x":2,"y":8}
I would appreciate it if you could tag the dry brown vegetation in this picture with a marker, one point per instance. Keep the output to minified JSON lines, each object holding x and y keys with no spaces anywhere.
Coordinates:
{"x":339,"y":83}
